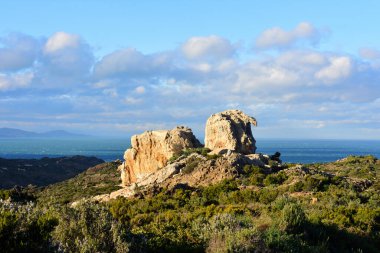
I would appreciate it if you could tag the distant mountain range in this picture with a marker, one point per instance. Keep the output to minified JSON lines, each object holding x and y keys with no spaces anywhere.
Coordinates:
{"x":18,"y":133}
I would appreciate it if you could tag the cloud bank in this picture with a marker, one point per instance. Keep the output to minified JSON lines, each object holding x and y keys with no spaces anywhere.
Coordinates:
{"x":292,"y":87}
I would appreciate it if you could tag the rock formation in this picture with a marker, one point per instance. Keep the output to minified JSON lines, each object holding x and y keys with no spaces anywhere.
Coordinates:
{"x":231,"y":130}
{"x":191,"y":171}
{"x":151,"y":151}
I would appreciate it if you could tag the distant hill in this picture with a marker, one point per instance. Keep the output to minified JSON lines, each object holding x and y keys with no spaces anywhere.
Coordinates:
{"x":41,"y":172}
{"x":18,"y":133}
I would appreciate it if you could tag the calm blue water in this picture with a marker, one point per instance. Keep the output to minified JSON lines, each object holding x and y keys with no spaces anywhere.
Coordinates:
{"x":312,"y":151}
{"x":301,"y":151}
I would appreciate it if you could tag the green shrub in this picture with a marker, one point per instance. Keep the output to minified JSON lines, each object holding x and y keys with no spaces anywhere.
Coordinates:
{"x":276,"y":178}
{"x":267,"y":195}
{"x":296,"y":187}
{"x":4,"y":194}
{"x":281,"y":202}
{"x":89,"y":228}
{"x":190,"y":166}
{"x":252,"y":169}
{"x":315,"y":182}
{"x":8,"y":223}
{"x":211,"y":193}
{"x":24,"y":228}
{"x":293,"y":217}
{"x":201,"y":151}
{"x":212,"y":157}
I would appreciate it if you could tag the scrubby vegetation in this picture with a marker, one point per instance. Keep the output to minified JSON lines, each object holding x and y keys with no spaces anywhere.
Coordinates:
{"x":201,"y":151}
{"x":333,"y":207}
{"x":103,"y":178}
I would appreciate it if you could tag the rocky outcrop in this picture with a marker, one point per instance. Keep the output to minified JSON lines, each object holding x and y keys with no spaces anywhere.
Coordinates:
{"x":230,"y":130}
{"x":151,"y":151}
{"x":191,"y":171}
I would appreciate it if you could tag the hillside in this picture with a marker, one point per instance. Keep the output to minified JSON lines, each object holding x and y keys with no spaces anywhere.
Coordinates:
{"x":331,"y":207}
{"x":41,"y":172}
{"x":172,"y":194}
{"x":100,"y":179}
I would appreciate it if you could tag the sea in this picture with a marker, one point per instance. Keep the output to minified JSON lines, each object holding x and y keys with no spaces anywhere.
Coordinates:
{"x":109,"y":149}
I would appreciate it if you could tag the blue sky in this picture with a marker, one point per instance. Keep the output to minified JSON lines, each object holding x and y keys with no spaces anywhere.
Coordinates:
{"x":303,"y":69}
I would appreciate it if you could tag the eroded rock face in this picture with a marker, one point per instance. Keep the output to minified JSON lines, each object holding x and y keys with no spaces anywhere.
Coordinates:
{"x":231,"y":130}
{"x":151,"y":151}
{"x":204,"y":172}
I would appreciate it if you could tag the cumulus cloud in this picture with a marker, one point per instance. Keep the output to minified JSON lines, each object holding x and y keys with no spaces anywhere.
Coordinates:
{"x":61,"y":41}
{"x":17,"y":51}
{"x":339,"y":67}
{"x":66,"y":60}
{"x":131,"y":63}
{"x":212,"y":46}
{"x":66,"y":54}
{"x":61,"y":60}
{"x":277,"y":37}
{"x":297,"y":85}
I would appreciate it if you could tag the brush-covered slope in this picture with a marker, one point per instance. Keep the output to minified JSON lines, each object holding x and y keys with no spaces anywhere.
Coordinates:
{"x":100,"y":179}
{"x":331,"y":207}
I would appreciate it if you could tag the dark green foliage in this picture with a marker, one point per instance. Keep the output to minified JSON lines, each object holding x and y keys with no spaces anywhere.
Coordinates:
{"x":293,"y":217}
{"x":201,"y":151}
{"x":252,"y":169}
{"x":103,"y":178}
{"x":315,"y":183}
{"x":4,"y":194}
{"x":257,"y":179}
{"x":267,"y":195}
{"x":296,"y":187}
{"x":8,"y":223}
{"x":20,"y":194}
{"x":190,"y":166}
{"x":210,"y":195}
{"x":89,"y":228}
{"x":24,"y":228}
{"x":316,"y":208}
{"x":277,"y":178}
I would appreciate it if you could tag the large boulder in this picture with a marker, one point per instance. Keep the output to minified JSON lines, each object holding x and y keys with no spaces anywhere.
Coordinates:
{"x":230,"y":130}
{"x":151,"y":151}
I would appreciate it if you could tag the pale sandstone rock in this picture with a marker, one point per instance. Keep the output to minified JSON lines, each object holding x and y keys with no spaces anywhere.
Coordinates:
{"x":206,"y":172}
{"x":230,"y":129}
{"x":151,"y":151}
{"x":169,"y":170}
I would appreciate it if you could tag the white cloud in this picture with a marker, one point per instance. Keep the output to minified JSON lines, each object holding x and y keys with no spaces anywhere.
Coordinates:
{"x":339,"y":68}
{"x":203,"y":75}
{"x":256,"y":76}
{"x":60,"y":41}
{"x":130,"y":62}
{"x":16,"y":80}
{"x":207,"y":47}
{"x":18,"y":51}
{"x":276,"y":37}
{"x":67,"y":60}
